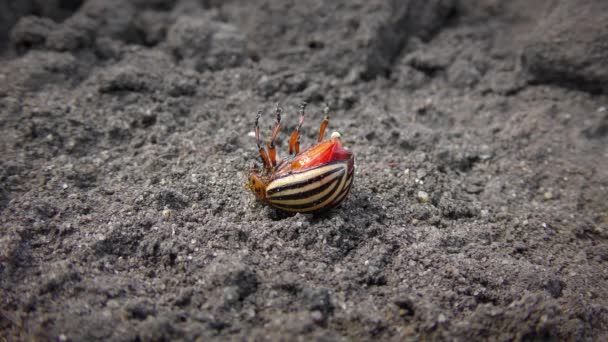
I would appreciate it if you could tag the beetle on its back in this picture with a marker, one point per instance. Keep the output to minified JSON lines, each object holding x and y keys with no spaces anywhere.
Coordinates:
{"x":316,"y":179}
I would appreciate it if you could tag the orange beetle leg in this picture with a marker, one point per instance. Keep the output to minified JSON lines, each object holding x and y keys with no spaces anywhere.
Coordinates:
{"x":294,"y":141}
{"x":272,"y":152}
{"x":324,"y":123}
{"x":261,"y":149}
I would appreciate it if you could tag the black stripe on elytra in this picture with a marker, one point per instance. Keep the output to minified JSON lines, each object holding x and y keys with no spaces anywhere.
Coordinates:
{"x":344,"y":192}
{"x":350,"y":173}
{"x":302,"y":183}
{"x":311,"y":192}
{"x":339,"y":199}
{"x":313,"y":203}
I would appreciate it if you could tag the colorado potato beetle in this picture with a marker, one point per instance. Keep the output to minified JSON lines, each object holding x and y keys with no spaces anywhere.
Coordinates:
{"x":316,"y":179}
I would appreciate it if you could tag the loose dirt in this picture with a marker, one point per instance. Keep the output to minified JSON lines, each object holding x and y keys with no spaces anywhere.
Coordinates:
{"x":479,"y":209}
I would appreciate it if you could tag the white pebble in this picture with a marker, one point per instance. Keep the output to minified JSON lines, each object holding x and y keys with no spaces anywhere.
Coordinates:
{"x":422,"y":196}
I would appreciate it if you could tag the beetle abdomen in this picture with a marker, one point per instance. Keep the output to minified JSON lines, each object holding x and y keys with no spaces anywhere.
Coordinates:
{"x":312,"y":189}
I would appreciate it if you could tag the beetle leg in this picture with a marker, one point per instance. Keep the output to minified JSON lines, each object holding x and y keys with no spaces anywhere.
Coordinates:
{"x":261,"y":149}
{"x":294,"y":141}
{"x":324,"y":123}
{"x":272,"y":151}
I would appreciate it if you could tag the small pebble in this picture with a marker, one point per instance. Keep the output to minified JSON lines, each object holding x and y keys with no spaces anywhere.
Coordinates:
{"x":442,"y":318}
{"x":409,"y":331}
{"x":317,"y":316}
{"x":166,"y":214}
{"x":422,"y":196}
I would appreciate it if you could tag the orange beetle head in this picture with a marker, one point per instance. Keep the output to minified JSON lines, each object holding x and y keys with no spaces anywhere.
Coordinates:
{"x":257,"y":185}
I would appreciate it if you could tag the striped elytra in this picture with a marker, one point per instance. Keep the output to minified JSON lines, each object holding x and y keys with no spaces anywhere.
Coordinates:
{"x":310,"y":190}
{"x":316,"y":179}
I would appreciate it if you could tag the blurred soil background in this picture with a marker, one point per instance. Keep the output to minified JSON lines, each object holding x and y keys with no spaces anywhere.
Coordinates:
{"x":479,"y":210}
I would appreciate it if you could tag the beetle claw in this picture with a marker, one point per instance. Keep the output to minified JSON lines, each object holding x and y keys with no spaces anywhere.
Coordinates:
{"x":279,"y":110}
{"x":324,"y":123}
{"x":261,"y":150}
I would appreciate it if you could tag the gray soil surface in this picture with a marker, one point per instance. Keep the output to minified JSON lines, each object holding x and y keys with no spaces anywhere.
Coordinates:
{"x":479,"y":209}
